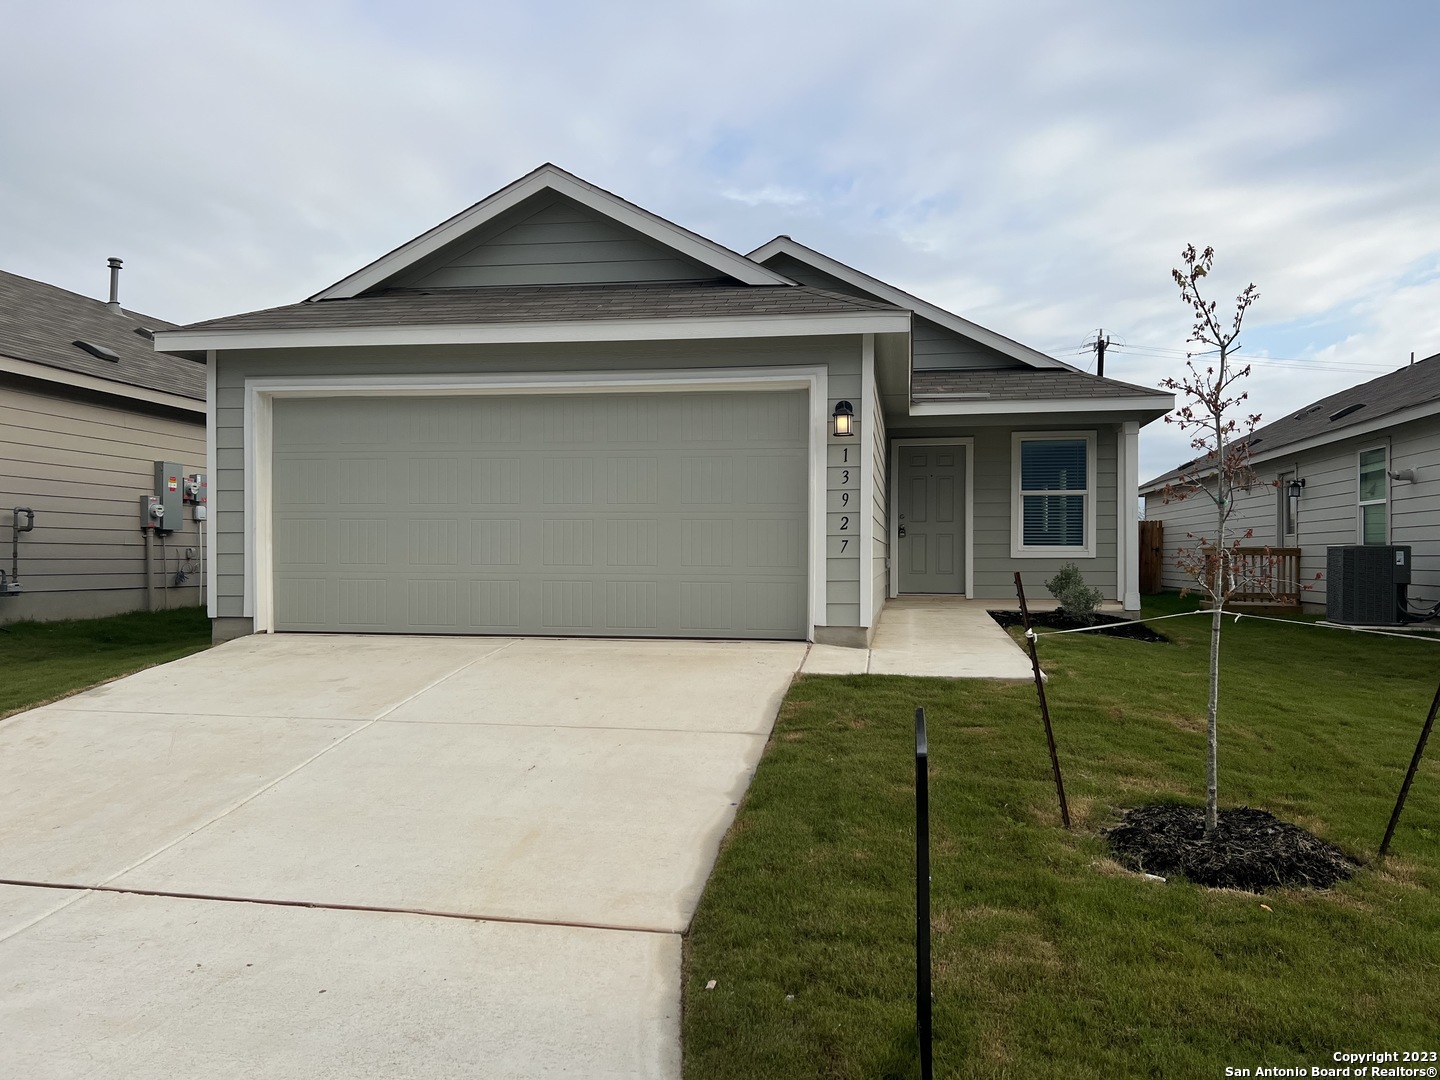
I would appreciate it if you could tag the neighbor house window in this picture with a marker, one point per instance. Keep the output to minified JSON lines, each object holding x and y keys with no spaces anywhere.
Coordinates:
{"x":1374,"y":497}
{"x":1054,"y":497}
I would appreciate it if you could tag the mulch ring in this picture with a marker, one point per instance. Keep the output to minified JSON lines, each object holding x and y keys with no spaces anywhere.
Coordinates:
{"x":1058,"y":620}
{"x":1251,"y":850}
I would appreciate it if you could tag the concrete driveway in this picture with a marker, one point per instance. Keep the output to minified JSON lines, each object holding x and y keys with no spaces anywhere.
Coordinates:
{"x":317,"y":856}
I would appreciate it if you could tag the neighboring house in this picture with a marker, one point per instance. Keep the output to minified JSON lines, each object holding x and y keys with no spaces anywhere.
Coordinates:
{"x":81,"y":426}
{"x":1369,"y":462}
{"x":557,"y":413}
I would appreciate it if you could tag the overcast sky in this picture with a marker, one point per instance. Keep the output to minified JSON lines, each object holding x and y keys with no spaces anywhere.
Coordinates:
{"x":1035,"y":167}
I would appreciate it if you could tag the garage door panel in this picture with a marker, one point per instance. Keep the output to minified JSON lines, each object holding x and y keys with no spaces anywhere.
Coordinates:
{"x":473,"y":515}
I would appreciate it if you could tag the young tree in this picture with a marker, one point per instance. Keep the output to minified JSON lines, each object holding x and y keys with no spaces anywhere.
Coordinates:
{"x":1213,"y":418}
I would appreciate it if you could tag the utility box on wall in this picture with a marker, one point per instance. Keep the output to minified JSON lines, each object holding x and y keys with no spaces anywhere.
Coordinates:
{"x":170,"y":490}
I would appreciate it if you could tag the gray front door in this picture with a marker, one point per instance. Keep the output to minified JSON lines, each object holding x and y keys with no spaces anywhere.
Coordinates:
{"x":932,"y":519}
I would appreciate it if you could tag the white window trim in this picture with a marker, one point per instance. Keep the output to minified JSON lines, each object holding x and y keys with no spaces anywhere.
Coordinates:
{"x":261,"y":392}
{"x":893,"y":499}
{"x":1018,"y":548}
{"x":1360,"y":503}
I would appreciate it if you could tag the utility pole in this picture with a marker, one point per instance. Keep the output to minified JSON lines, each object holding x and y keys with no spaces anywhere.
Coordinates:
{"x":1100,"y":344}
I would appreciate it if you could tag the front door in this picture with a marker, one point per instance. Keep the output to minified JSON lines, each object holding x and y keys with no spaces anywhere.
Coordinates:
{"x":932,"y":519}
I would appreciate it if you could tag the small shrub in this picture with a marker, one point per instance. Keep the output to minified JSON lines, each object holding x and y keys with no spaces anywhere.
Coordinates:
{"x":1076,"y":599}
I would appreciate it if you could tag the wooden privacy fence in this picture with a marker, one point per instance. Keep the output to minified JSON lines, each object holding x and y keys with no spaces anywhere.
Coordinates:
{"x":1152,"y":557}
{"x":1265,"y":576}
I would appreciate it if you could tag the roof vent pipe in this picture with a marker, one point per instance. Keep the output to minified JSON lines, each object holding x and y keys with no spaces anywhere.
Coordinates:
{"x":114,"y":304}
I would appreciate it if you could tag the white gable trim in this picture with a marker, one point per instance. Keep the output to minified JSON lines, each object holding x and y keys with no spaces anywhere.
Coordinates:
{"x":783,"y":245}
{"x":552,"y":178}
{"x":740,"y":326}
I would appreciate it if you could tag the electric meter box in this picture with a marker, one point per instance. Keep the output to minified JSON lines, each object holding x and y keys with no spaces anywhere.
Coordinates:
{"x":197,"y":489}
{"x":170,"y":490}
{"x":148,"y":505}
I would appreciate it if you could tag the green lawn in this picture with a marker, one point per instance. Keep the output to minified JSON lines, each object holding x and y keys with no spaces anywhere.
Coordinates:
{"x":40,"y":662}
{"x":1050,"y":960}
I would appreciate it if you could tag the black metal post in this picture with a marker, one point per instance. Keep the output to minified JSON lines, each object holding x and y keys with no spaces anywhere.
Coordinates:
{"x":1044,"y":705}
{"x":1410,"y":775}
{"x":922,"y":896}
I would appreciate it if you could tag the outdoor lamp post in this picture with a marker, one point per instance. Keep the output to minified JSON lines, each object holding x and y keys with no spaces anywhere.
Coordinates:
{"x":844,"y":417}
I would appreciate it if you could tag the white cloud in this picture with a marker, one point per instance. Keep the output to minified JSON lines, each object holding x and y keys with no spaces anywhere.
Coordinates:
{"x":1037,"y":167}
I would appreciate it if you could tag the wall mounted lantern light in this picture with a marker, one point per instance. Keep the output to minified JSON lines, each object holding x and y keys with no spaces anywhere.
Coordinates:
{"x":1294,"y":488}
{"x":844,"y":417}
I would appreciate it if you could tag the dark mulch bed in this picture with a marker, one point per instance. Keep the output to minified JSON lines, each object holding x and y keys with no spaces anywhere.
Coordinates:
{"x":1058,"y":620}
{"x":1251,"y":850}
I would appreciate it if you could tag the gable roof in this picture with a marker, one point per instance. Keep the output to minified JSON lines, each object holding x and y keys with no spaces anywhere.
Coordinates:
{"x":552,"y":178}
{"x":39,"y":324}
{"x":1406,"y":394}
{"x":871,"y":286}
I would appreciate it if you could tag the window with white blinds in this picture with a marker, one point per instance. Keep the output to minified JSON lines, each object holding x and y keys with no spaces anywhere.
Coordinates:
{"x":1055,"y":494}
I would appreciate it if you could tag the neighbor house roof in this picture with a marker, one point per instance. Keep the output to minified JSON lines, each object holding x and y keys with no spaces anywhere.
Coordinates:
{"x":1406,"y":394}
{"x":40,"y":323}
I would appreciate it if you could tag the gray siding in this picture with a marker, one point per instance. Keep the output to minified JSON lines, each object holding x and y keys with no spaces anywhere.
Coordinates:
{"x":994,"y":494}
{"x":1328,"y":512}
{"x":994,"y":566}
{"x":551,"y":240}
{"x":82,"y":466}
{"x":841,"y":355}
{"x":938,"y":349}
{"x":842,"y":523}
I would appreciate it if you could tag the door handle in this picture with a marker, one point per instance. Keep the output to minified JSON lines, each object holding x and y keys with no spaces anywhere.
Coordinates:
{"x":902,"y":532}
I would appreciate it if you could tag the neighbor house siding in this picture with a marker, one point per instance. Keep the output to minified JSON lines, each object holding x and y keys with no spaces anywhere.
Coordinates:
{"x":553,"y":242}
{"x":1191,"y":521}
{"x":840,"y":355}
{"x":1328,"y":510}
{"x":82,"y":465}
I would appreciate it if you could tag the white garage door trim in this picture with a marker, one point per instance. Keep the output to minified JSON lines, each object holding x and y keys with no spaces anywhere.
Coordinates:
{"x":260,"y":395}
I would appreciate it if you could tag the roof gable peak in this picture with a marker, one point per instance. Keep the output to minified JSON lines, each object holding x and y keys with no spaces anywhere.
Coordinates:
{"x":551,"y":178}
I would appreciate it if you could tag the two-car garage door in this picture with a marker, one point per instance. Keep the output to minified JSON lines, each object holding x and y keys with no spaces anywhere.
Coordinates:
{"x":624,"y":514}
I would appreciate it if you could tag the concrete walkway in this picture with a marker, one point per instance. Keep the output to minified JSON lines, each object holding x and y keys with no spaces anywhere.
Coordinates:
{"x":315,"y":856}
{"x":945,"y":636}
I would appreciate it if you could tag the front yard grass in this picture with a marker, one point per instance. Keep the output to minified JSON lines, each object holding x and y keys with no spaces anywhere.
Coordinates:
{"x":41,"y":662}
{"x":1050,"y":960}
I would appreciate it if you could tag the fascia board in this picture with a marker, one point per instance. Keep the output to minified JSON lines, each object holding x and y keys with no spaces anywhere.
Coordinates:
{"x":759,"y":326}
{"x":549,"y":177}
{"x":889,"y":293}
{"x":1354,"y":431}
{"x":62,"y":377}
{"x":1159,"y":404}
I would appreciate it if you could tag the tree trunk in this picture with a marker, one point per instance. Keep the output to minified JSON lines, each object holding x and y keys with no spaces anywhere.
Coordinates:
{"x":1212,"y":740}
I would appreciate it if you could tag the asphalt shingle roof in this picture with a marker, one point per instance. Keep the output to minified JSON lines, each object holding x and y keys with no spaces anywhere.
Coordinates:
{"x":1414,"y":384}
{"x":40,"y":322}
{"x":1020,"y":384}
{"x":545,"y":303}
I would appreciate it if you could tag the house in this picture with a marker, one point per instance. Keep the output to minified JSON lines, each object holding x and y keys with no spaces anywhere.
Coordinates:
{"x":87,"y":406}
{"x":1358,"y":467}
{"x":557,"y":413}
